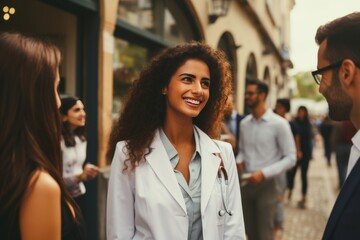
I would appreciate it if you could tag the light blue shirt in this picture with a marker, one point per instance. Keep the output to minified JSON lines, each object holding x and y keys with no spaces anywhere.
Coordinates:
{"x":231,"y":123}
{"x":191,"y":192}
{"x":266,"y":144}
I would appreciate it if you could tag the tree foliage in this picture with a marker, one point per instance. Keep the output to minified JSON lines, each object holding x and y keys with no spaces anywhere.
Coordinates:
{"x":306,"y":86}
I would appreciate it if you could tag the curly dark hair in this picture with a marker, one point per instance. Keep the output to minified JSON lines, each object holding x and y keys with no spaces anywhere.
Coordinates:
{"x":145,"y":107}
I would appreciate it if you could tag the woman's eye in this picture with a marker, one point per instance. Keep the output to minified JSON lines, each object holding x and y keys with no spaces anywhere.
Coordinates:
{"x":187,"y":79}
{"x":205,"y":83}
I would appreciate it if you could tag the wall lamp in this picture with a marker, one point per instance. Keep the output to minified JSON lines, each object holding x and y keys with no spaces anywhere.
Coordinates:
{"x":220,"y":8}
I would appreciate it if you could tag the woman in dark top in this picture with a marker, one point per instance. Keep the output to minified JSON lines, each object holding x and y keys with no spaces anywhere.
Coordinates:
{"x":32,"y":192}
{"x":306,"y":136}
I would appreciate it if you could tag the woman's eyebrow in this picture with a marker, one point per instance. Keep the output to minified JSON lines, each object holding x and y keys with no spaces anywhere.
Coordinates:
{"x":187,"y":74}
{"x":193,"y":76}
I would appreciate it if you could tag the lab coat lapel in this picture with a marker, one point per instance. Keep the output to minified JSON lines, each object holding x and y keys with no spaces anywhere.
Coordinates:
{"x":160,"y":163}
{"x":209,"y":167}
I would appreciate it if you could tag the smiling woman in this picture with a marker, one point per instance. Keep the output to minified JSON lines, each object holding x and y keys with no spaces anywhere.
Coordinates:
{"x":187,"y":92}
{"x":166,"y":169}
{"x":73,"y":146}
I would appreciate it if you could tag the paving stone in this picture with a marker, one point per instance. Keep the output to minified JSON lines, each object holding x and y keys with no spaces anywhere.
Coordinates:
{"x":309,"y":223}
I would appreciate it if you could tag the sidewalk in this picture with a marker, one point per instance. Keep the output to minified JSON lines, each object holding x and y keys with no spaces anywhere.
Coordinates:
{"x":309,"y":223}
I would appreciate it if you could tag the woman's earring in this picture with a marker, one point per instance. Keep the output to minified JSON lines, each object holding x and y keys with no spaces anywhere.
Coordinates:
{"x":164,"y":91}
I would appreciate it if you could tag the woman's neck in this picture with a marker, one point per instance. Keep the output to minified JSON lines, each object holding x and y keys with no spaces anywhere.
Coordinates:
{"x":179,"y":132}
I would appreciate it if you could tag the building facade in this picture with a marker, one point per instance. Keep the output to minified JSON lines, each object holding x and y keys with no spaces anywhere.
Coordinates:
{"x":105,"y":44}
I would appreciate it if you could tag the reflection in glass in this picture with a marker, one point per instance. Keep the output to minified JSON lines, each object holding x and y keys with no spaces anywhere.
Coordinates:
{"x":139,"y":13}
{"x":128,"y":60}
{"x":172,"y":31}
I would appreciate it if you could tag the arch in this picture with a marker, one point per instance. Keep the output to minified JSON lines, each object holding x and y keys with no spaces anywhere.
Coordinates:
{"x":251,"y":67}
{"x":271,"y":98}
{"x":266,"y":76}
{"x":227,"y":45}
{"x":192,"y":16}
{"x":251,"y":73}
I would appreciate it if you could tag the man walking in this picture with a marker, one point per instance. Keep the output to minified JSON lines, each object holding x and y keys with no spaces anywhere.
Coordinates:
{"x":267,"y":149}
{"x":338,"y":75}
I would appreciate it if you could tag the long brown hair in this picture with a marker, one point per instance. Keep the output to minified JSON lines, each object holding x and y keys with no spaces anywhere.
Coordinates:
{"x":29,"y":122}
{"x":144,"y":109}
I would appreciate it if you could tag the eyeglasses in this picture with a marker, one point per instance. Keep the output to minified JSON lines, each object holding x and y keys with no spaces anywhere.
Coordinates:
{"x":317,"y":75}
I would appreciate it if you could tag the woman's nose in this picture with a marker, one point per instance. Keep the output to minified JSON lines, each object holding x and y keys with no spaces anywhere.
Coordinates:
{"x":196,"y":88}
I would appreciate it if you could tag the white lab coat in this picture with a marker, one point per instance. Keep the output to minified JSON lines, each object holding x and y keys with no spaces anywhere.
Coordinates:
{"x":148,"y":204}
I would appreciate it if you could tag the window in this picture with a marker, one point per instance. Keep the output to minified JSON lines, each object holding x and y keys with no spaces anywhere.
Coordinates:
{"x":143,"y":28}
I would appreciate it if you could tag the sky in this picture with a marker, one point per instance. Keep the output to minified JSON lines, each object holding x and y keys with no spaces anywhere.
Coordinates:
{"x":306,"y":17}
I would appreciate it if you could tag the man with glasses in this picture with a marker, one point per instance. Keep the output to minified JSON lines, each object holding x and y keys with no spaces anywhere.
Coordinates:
{"x":266,"y":150}
{"x":338,"y":75}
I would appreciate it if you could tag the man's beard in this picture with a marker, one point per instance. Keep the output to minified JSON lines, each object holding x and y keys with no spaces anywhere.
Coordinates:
{"x":340,"y":104}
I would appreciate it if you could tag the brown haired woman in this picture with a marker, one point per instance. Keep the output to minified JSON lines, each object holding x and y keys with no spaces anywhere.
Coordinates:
{"x":34,"y":203}
{"x":169,"y":179}
{"x":73,"y":147}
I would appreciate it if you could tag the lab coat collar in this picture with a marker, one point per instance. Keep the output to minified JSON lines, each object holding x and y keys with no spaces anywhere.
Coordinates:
{"x":159,"y":162}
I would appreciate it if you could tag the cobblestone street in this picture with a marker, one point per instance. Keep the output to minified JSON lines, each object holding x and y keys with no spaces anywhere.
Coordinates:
{"x":309,"y":223}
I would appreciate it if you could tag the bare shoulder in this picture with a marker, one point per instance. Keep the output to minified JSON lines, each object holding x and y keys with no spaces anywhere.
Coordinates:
{"x":42,"y":188}
{"x":40,"y":213}
{"x":43,"y":183}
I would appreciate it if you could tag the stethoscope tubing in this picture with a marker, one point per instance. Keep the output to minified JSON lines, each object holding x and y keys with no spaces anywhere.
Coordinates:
{"x":222,"y":171}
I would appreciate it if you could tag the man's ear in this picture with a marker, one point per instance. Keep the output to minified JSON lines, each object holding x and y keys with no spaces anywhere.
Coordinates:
{"x":347,"y":72}
{"x":263,"y":95}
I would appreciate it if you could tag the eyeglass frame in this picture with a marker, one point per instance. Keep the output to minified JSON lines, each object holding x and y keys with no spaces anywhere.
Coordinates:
{"x":324,"y":69}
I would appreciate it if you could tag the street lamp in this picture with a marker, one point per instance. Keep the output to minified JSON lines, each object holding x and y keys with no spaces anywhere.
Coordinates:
{"x":219,"y":9}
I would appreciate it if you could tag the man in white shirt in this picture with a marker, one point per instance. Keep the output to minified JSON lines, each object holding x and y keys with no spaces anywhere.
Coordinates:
{"x":267,"y":149}
{"x":338,"y":75}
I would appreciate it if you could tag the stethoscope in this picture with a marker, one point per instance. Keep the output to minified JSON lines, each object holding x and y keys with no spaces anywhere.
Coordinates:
{"x":222,"y":172}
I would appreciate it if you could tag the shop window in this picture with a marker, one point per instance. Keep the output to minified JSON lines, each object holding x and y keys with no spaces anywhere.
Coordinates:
{"x":158,"y":17}
{"x":128,"y":61}
{"x":140,"y":13}
{"x":143,"y":28}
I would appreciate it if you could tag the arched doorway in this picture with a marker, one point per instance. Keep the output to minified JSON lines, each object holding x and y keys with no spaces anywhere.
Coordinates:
{"x":227,"y":45}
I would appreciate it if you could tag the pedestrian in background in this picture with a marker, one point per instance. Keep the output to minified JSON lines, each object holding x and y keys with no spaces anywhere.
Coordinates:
{"x":326,"y":127}
{"x":341,"y":141}
{"x":169,"y":179}
{"x":230,"y":131}
{"x":339,"y":76}
{"x":281,"y":108}
{"x":73,"y":147}
{"x":34,"y":202}
{"x":306,"y":143}
{"x":267,"y":149}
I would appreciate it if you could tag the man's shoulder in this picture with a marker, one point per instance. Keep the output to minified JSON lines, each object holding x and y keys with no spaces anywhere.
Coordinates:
{"x":278,"y":120}
{"x":246,"y":118}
